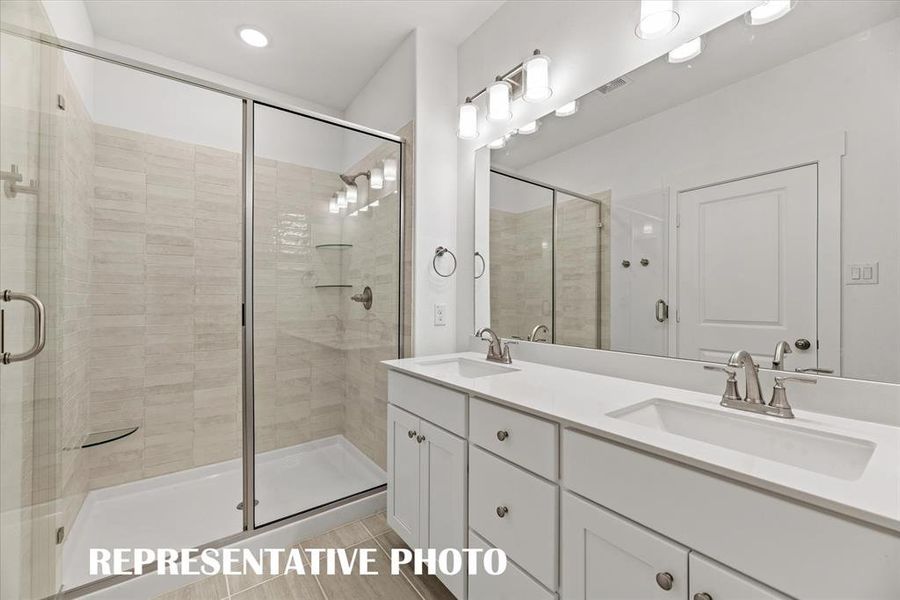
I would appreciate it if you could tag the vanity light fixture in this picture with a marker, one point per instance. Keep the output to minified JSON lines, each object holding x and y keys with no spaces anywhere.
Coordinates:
{"x":658,"y":18}
{"x":686,"y":51}
{"x":390,"y":169}
{"x":529,"y":128}
{"x":500,"y":142}
{"x":498,"y":101}
{"x":376,"y":178}
{"x":537,"y":77}
{"x":253,"y":37}
{"x":333,"y":207}
{"x":351,"y":193}
{"x":530,"y":78}
{"x":769,"y":11}
{"x":341,"y":199}
{"x":568,"y":109}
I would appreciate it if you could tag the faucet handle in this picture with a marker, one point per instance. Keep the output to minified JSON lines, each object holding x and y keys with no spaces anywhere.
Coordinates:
{"x":779,"y":394}
{"x":731,"y":389}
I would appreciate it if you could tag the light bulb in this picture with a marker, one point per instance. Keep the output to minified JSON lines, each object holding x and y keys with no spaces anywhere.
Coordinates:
{"x":769,"y":11}
{"x":537,"y":77}
{"x":253,"y":37}
{"x":351,"y":193}
{"x":567,"y":109}
{"x":498,"y":143}
{"x":686,"y":51}
{"x":528,"y":128}
{"x":498,"y":101}
{"x":333,"y":207}
{"x":376,"y":178}
{"x":467,"y":129}
{"x":658,"y":18}
{"x":390,"y":169}
{"x":341,"y":199}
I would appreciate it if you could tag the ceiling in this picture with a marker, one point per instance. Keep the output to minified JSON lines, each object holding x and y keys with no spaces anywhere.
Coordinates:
{"x":323,"y":51}
{"x":733,"y":52}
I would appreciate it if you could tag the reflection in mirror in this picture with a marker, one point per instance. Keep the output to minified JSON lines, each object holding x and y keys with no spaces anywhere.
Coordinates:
{"x":744,"y":196}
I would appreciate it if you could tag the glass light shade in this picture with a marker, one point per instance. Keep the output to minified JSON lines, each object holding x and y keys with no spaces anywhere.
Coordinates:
{"x":376,"y":178}
{"x":341,"y":199}
{"x":537,"y":78}
{"x":390,"y":169}
{"x":333,"y":207}
{"x":351,"y":193}
{"x":253,"y":37}
{"x":686,"y":51}
{"x":498,"y":143}
{"x":529,"y":128}
{"x":467,"y":129}
{"x":658,"y":18}
{"x":570,"y":108}
{"x":498,"y":101}
{"x":769,"y":11}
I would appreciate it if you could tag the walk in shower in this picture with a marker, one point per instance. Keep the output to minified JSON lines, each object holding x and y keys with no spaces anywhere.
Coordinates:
{"x":218,"y":278}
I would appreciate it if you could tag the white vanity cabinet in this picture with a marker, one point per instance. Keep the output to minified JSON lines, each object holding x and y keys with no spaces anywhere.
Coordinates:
{"x":426,"y":502}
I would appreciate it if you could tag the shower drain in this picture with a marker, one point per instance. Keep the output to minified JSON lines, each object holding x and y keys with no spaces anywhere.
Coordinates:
{"x":240,"y":505}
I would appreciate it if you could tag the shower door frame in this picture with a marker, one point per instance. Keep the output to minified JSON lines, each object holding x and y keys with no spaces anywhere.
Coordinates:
{"x":249,"y":103}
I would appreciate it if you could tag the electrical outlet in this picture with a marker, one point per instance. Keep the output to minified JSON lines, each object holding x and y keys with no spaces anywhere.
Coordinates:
{"x":440,"y":315}
{"x":861,"y":274}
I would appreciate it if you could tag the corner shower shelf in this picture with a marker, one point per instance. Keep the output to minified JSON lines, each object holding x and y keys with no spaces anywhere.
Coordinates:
{"x":335,"y":285}
{"x":105,"y":437}
{"x":334,"y":246}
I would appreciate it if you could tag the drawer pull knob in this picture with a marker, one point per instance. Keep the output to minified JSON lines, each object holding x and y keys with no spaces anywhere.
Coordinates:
{"x":501,"y":511}
{"x":411,"y":434}
{"x":702,"y":596}
{"x":502,"y":435}
{"x":420,"y":438}
{"x":664,"y":580}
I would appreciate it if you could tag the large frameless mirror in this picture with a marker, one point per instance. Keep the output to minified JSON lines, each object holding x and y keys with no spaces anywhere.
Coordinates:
{"x":735,"y":194}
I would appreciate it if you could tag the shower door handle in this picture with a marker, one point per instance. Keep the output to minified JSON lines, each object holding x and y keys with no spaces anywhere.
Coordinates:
{"x":40,"y":327}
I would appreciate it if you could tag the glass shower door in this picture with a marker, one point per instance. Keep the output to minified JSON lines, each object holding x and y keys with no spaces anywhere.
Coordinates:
{"x":326,"y":282}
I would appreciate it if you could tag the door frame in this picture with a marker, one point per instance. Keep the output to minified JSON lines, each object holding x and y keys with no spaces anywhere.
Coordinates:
{"x":826,"y":151}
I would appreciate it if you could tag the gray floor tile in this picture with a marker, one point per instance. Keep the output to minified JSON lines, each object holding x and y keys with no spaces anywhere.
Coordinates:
{"x":383,"y":586}
{"x":429,"y":586}
{"x":211,"y":588}
{"x":284,"y":587}
{"x":376,"y":524}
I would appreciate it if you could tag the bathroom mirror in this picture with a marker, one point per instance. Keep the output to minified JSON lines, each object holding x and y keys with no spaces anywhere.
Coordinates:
{"x":746,"y":195}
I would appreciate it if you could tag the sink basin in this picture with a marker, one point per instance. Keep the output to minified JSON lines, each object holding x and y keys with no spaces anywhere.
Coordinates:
{"x":465,"y":367}
{"x":826,"y":453}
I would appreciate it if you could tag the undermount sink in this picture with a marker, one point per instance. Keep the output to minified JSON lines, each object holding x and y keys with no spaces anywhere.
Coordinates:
{"x":464,"y":367}
{"x":826,"y":453}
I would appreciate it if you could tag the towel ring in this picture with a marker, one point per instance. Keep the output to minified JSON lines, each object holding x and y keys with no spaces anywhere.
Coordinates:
{"x":438,"y":252}
{"x":483,"y":264}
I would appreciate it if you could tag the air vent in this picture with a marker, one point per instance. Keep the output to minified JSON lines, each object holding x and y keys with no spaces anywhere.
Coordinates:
{"x":613,"y":85}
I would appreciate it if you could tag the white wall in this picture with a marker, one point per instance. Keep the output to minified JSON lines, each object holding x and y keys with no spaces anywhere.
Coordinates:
{"x":436,"y":192}
{"x":853,"y":86}
{"x":70,"y":21}
{"x":589,"y":43}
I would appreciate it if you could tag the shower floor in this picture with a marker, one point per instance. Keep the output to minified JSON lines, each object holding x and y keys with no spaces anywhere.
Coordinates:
{"x":196,"y":506}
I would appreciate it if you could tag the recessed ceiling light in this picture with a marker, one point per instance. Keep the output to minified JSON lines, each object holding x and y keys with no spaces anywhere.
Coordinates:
{"x":567,"y":109}
{"x":253,"y":37}
{"x":528,"y":128}
{"x":769,"y":11}
{"x":686,"y":51}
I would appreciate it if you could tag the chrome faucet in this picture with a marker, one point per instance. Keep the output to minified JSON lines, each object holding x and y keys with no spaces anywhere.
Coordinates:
{"x":781,"y":348}
{"x":742,"y":359}
{"x":497,"y":350}
{"x":537,"y":330}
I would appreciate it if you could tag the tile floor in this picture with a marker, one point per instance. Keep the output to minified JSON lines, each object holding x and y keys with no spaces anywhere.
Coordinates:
{"x":371,"y":532}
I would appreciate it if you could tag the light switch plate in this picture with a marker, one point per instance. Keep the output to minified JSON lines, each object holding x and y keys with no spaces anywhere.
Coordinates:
{"x":440,"y":315}
{"x":861,"y":274}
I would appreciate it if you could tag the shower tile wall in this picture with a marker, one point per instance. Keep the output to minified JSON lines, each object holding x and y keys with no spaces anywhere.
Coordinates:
{"x":165,"y":305}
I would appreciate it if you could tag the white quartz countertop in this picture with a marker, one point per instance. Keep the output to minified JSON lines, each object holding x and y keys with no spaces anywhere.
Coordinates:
{"x":582,"y":401}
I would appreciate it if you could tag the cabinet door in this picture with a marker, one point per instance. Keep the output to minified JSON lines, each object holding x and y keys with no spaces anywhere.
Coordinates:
{"x":607,"y":557}
{"x":404,"y":483}
{"x":712,"y":581}
{"x":443,"y":500}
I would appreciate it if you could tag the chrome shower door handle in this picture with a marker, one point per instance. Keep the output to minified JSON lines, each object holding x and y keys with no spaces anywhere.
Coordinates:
{"x":40,"y":327}
{"x":662,"y":310}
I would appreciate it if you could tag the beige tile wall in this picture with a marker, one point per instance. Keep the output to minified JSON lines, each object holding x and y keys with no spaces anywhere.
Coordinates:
{"x":578,"y":256}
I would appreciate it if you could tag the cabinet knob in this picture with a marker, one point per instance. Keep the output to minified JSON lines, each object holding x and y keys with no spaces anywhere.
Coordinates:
{"x":502,"y":511}
{"x":411,"y":434}
{"x":702,"y":596}
{"x":664,"y":580}
{"x":420,"y":438}
{"x":502,"y":435}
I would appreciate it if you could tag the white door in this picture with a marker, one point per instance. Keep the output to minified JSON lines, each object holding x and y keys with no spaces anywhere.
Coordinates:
{"x":747,"y":268}
{"x":606,"y":557}
{"x":710,"y":580}
{"x":403,"y":475}
{"x":443,"y":501}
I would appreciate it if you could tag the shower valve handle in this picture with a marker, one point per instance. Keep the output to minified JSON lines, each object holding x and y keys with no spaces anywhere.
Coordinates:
{"x":411,"y":434}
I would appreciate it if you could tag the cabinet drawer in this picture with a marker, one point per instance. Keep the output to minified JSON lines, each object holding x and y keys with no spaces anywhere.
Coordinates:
{"x":528,"y":530}
{"x":512,"y":584}
{"x":527,"y":441}
{"x":721,"y":583}
{"x":442,"y":406}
